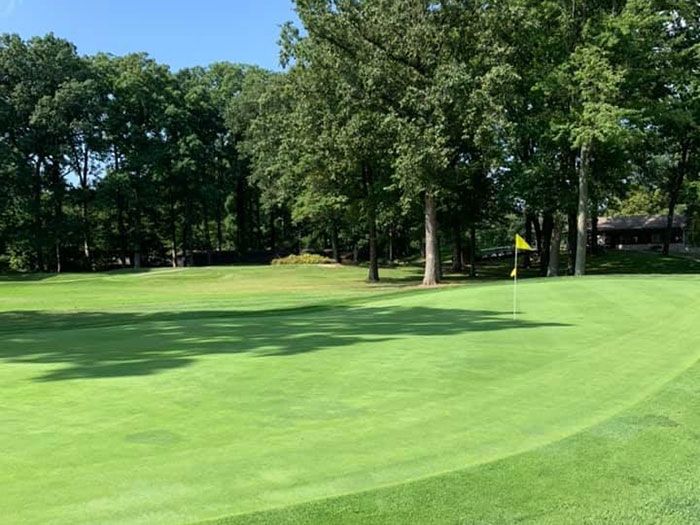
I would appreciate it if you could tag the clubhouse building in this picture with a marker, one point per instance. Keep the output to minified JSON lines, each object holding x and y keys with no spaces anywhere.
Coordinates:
{"x":641,"y":232}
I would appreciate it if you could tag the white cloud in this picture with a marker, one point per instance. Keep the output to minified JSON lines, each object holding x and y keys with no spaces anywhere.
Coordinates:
{"x":7,"y":7}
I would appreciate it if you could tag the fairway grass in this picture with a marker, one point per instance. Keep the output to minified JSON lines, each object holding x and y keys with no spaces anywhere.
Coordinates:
{"x":302,"y":394}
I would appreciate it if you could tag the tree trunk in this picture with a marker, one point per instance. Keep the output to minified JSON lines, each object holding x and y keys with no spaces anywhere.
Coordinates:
{"x":582,"y":216}
{"x":85,"y":190}
{"x":528,"y":238}
{"x":594,"y":232}
{"x":555,"y":248}
{"x":207,"y":232}
{"x":538,"y":232}
{"x":545,"y":241}
{"x":241,"y":219}
{"x":258,"y":223}
{"x":371,"y":206}
{"x":571,"y":241}
{"x":457,"y":248}
{"x":173,"y":231}
{"x":390,"y":247}
{"x":668,"y":231}
{"x":219,"y":230}
{"x":674,"y":194}
{"x":273,"y":232}
{"x":187,"y":233}
{"x":472,"y":252}
{"x":38,"y":230}
{"x":86,"y":232}
{"x":431,"y":275}
{"x":334,"y":241}
{"x":373,"y":275}
{"x":121,"y":227}
{"x":57,"y":183}
{"x":137,"y":224}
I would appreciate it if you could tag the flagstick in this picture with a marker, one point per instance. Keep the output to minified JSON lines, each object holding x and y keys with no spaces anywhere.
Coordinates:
{"x":515,"y":284}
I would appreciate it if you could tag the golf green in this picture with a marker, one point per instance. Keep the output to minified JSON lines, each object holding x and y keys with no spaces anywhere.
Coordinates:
{"x":213,"y":393}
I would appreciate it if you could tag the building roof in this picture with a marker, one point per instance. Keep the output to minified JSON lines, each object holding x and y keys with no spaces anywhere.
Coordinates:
{"x":639,"y":222}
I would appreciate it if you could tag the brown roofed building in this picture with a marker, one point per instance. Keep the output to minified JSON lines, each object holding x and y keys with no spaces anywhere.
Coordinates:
{"x":639,"y":232}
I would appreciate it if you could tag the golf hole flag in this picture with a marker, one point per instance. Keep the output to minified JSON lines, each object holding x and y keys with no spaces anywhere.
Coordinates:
{"x":520,"y":244}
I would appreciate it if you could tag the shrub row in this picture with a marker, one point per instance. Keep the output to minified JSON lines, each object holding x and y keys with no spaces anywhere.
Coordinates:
{"x":304,"y":258}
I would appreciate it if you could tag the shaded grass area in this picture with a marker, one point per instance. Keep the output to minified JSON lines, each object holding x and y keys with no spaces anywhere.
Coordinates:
{"x":176,"y":339}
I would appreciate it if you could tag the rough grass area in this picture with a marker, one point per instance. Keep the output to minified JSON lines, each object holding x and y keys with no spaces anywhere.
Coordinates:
{"x":301,"y":394}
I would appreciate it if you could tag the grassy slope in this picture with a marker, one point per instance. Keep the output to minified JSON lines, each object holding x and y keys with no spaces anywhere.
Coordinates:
{"x":246,"y":288}
{"x":640,"y":466}
{"x":161,"y":414}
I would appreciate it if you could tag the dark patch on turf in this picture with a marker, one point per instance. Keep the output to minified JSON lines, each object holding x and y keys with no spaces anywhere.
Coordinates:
{"x":653,"y":420}
{"x":628,"y":427}
{"x":686,"y":507}
{"x":154,"y":437}
{"x":648,"y":421}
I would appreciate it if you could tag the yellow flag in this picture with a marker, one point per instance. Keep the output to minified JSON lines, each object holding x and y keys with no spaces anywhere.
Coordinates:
{"x":514,"y":273}
{"x":521,"y":244}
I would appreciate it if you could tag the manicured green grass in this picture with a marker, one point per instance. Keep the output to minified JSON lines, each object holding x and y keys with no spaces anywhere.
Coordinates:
{"x":302,"y":394}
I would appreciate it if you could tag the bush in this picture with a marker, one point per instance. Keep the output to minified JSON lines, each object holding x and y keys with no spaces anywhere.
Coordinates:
{"x":304,"y":258}
{"x":15,"y":260}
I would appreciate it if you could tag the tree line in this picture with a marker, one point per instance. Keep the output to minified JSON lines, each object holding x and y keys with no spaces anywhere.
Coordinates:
{"x":394,"y":128}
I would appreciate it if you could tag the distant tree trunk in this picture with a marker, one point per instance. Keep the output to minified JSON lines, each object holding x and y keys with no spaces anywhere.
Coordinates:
{"x":472,"y":251}
{"x":390,"y":247}
{"x":258,"y":223}
{"x":439,"y":252}
{"x":219,"y":230}
{"x":207,"y":236}
{"x":431,"y":275}
{"x":571,"y":241}
{"x":86,"y":234}
{"x":594,"y":232}
{"x":674,"y":194}
{"x":582,"y":218}
{"x":241,"y":222}
{"x":457,"y":248}
{"x":273,"y":232}
{"x":85,"y":195}
{"x":38,"y":230}
{"x":528,"y":238}
{"x":545,"y":242}
{"x":58,"y":189}
{"x":555,"y":248}
{"x":173,"y":231}
{"x":187,"y":233}
{"x":334,"y":241}
{"x":373,"y":275}
{"x":538,"y":232}
{"x":368,"y":177}
{"x":137,"y":223}
{"x":121,"y":227}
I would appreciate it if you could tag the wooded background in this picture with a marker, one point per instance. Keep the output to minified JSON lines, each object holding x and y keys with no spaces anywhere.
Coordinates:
{"x":395,"y":129}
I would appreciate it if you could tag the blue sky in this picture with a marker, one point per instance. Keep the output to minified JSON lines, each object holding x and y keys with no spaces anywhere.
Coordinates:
{"x":180,"y":33}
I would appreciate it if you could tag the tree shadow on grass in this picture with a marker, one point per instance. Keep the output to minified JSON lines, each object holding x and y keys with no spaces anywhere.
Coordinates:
{"x":101,"y":344}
